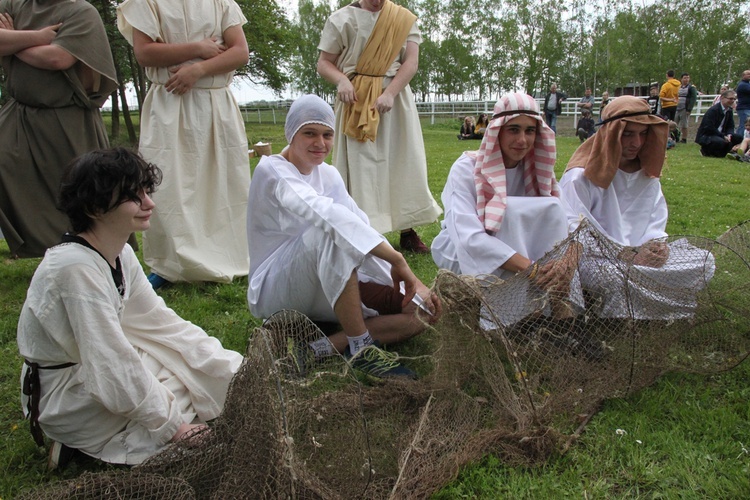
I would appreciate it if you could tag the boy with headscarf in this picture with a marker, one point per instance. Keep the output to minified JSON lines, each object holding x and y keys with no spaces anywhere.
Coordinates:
{"x":613,"y":181}
{"x":502,"y":206}
{"x":313,"y":250}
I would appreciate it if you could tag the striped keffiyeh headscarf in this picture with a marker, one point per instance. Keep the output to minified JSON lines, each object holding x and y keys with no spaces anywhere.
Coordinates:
{"x":489,"y":170}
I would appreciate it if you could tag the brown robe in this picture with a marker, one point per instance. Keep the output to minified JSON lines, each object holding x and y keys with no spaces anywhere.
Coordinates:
{"x":50,"y":119}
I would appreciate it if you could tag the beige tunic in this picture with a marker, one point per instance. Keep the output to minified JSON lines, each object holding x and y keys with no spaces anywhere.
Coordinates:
{"x":387,"y":178}
{"x":198,"y":139}
{"x":139,"y":369}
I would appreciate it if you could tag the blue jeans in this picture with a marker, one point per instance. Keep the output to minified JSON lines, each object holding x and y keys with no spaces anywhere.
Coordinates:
{"x":551,"y":118}
{"x":742,"y":115}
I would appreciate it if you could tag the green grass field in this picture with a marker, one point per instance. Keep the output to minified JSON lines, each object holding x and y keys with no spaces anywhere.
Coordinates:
{"x":688,"y":436}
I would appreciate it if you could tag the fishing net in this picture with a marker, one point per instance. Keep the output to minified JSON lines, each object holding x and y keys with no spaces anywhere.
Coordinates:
{"x":515,"y":368}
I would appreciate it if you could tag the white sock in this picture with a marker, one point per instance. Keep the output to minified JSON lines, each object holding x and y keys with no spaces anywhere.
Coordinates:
{"x":322,"y":347}
{"x":356,"y":344}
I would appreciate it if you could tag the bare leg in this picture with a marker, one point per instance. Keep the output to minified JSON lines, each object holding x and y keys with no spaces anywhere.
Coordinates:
{"x":348,"y":309}
{"x":386,"y":329}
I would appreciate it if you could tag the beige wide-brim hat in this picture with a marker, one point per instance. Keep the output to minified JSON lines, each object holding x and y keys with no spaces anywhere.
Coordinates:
{"x":600,"y":155}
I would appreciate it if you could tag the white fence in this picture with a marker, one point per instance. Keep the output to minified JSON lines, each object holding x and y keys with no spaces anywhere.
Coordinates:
{"x":446,"y":111}
{"x":440,"y":111}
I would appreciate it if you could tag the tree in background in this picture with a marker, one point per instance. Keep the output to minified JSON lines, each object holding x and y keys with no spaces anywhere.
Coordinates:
{"x":308,"y":24}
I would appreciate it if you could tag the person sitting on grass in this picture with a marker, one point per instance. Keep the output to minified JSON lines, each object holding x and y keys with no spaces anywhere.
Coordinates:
{"x":503,"y":212}
{"x":481,"y":127}
{"x":467,"y":129}
{"x":716,"y":132}
{"x":312,"y":250}
{"x":743,"y":151}
{"x":612,"y":180}
{"x":585,"y":125}
{"x":109,"y":369}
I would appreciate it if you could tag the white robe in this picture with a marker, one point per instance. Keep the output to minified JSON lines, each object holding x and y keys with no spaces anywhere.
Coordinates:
{"x":140,"y":370}
{"x":631,"y":212}
{"x":531,"y":227}
{"x":198,"y":140}
{"x":388,"y":177}
{"x":306,"y":236}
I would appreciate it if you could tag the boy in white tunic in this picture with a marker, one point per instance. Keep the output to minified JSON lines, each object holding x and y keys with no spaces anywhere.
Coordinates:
{"x":191,"y":127}
{"x":109,"y":369}
{"x":313,"y":250}
{"x":502,"y":209}
{"x":613,"y":181}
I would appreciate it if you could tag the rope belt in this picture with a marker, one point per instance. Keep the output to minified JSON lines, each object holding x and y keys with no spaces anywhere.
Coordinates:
{"x":32,"y":389}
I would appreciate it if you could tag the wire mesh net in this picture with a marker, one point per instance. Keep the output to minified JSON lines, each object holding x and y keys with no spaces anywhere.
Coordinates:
{"x":514,"y":367}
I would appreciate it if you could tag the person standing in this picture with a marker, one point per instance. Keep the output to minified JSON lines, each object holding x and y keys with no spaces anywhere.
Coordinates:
{"x":686,"y":97}
{"x":586,"y":102}
{"x":59,"y":72}
{"x":191,"y":127}
{"x":668,"y":96}
{"x":553,"y":106}
{"x":743,"y":101}
{"x":653,"y":99}
{"x":370,"y":51}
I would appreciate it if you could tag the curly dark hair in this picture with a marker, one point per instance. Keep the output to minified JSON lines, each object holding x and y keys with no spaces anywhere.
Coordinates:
{"x":101,"y":180}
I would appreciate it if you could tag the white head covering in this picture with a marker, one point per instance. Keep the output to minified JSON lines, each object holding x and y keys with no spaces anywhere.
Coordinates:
{"x":307,"y":109}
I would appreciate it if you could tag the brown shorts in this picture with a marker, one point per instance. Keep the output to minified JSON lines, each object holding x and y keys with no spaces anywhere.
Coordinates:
{"x":382,"y":298}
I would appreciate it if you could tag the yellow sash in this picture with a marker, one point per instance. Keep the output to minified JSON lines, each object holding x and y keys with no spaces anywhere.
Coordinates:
{"x":385,"y":42}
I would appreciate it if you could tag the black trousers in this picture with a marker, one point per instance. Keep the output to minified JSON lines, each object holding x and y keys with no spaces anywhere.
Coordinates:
{"x":717,"y":146}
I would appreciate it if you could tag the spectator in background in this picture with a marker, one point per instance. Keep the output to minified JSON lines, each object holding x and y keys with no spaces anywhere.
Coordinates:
{"x":481,"y":126}
{"x":716,"y":132}
{"x":585,"y":125}
{"x":553,"y":106}
{"x":743,"y":152}
{"x":467,"y":129}
{"x":668,"y":96}
{"x":605,"y":101}
{"x":653,"y":99}
{"x":717,"y":99}
{"x":743,"y":100}
{"x":586,"y":102}
{"x":687,"y":95}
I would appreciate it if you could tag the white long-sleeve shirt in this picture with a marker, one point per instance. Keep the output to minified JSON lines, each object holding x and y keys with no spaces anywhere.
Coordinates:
{"x":284,"y":203}
{"x":630,"y":212}
{"x":531,"y":225}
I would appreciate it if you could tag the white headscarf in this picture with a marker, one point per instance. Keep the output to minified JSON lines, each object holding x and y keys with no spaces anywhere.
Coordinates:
{"x":305,"y":110}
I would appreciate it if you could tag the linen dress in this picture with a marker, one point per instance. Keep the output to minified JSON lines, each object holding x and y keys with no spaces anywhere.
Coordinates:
{"x":198,"y":140}
{"x":631,"y":212}
{"x":306,"y":235}
{"x":51,"y":118}
{"x":388,"y":177}
{"x":140,"y":370}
